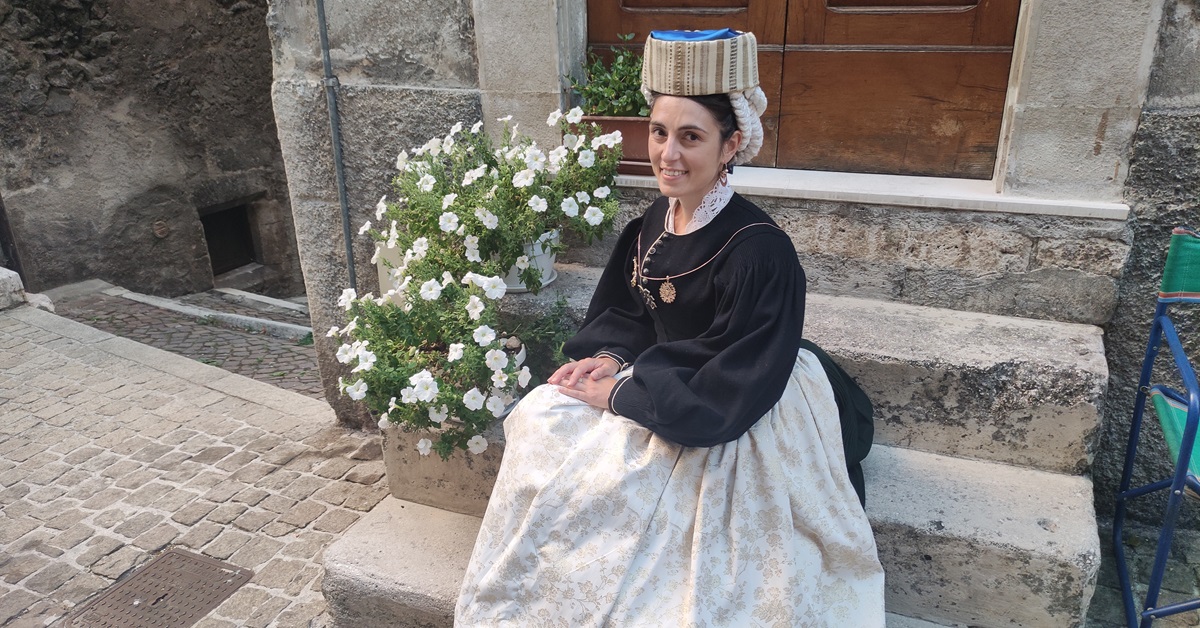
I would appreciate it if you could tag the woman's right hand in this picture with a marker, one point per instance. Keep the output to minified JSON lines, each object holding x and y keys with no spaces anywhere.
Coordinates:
{"x":570,"y":373}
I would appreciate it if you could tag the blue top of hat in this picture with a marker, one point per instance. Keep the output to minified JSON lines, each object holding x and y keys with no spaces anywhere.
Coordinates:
{"x":713,"y":35}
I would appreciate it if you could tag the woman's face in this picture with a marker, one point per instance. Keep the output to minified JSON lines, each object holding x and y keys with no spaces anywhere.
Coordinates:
{"x":686,"y":150}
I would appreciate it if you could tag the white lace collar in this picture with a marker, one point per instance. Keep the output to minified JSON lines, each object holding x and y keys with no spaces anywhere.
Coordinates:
{"x":711,"y":205}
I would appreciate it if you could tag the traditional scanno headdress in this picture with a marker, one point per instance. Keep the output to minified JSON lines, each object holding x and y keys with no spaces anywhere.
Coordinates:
{"x":699,"y":63}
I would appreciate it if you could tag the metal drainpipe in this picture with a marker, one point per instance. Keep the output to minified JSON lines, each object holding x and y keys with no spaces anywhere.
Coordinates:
{"x":331,"y":84}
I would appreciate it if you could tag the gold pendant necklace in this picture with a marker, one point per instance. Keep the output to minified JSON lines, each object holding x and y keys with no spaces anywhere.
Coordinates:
{"x":667,"y":291}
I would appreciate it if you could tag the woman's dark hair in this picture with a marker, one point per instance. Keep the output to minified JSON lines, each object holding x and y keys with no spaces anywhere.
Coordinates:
{"x":721,"y":109}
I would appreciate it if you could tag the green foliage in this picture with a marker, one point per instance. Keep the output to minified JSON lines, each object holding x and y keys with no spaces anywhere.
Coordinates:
{"x":432,"y":353}
{"x":613,"y":89}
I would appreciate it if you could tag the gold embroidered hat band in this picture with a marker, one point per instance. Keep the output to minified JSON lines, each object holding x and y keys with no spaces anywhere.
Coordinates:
{"x":699,"y":63}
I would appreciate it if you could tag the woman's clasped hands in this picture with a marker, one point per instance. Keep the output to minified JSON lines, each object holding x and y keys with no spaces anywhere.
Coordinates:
{"x":589,"y":380}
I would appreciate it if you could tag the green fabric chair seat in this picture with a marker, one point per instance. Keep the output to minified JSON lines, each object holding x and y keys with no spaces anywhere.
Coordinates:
{"x":1172,"y":416}
{"x":1181,"y":275}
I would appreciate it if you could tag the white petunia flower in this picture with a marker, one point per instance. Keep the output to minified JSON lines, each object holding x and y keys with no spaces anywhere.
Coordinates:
{"x":456,"y":129}
{"x":345,"y":353}
{"x":570,"y":208}
{"x":408,"y":395}
{"x":593,"y":215}
{"x":393,"y":236}
{"x":384,"y":422}
{"x":535,"y":159}
{"x":505,"y":118}
{"x":473,"y":400}
{"x":587,"y":158}
{"x":496,"y":406}
{"x":447,"y":279}
{"x":357,"y":391}
{"x":583,"y":197}
{"x":420,"y":247}
{"x":433,"y":146}
{"x":351,"y":326}
{"x":494,"y":287}
{"x":333,"y":331}
{"x":456,"y":352}
{"x":449,"y":199}
{"x":448,"y":221}
{"x":484,"y":335}
{"x":477,"y":444}
{"x":554,"y":117}
{"x":513,"y":136}
{"x":499,"y":379}
{"x":475,"y":127}
{"x":426,"y":389}
{"x":496,"y":359}
{"x":602,"y":192}
{"x":570,"y":141}
{"x":431,"y":290}
{"x":426,"y":183}
{"x":366,"y":361}
{"x":375,"y":255}
{"x":381,"y":207}
{"x":486,"y":217}
{"x":537,"y":204}
{"x":473,"y":255}
{"x":523,"y":179}
{"x":557,"y":155}
{"x":402,"y":161}
{"x":473,"y":175}
{"x":575,"y":115}
{"x":522,"y":262}
{"x":347,"y":298}
{"x":523,"y":377}
{"x":366,"y":226}
{"x":473,"y":278}
{"x":471,"y":241}
{"x":474,"y":307}
{"x":424,"y":446}
{"x":519,"y":359}
{"x":437,"y":415}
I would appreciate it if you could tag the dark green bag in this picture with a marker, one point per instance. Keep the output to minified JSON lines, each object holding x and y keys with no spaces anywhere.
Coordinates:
{"x":857,"y":417}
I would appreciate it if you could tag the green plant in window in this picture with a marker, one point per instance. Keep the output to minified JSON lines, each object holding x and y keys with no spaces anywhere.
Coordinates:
{"x":613,"y":89}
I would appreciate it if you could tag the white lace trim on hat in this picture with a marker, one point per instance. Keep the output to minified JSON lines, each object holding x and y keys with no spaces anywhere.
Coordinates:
{"x":711,"y":205}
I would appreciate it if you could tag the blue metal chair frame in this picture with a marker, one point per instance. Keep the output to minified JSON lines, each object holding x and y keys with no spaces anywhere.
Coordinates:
{"x":1163,"y":330}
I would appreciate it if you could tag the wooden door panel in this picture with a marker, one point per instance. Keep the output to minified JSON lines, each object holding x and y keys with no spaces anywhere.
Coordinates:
{"x":902,"y":22}
{"x":927,"y":113}
{"x":606,"y":18}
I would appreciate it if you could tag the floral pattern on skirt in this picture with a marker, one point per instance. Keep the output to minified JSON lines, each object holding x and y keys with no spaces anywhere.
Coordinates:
{"x":596,"y":521}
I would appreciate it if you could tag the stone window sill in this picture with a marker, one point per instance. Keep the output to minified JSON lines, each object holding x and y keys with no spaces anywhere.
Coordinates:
{"x":909,"y":191}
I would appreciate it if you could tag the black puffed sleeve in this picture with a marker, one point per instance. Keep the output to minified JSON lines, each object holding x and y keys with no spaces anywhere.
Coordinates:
{"x":711,"y":389}
{"x":617,"y":324}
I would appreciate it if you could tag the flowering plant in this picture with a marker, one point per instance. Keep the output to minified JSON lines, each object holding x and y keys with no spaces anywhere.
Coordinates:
{"x":431,"y":353}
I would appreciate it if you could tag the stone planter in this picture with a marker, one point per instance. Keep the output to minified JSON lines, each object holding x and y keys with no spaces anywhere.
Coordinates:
{"x":635,"y":137}
{"x":461,"y":484}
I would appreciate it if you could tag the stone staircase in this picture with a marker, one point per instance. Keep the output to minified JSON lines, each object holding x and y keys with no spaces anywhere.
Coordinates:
{"x":977,"y":487}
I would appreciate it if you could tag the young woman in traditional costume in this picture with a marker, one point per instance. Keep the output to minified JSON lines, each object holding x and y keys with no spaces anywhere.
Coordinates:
{"x":686,"y":468}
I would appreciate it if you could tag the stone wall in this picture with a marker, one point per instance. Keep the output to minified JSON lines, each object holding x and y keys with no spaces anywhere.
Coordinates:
{"x":407,"y":72}
{"x":1163,"y":191}
{"x":120,"y":122}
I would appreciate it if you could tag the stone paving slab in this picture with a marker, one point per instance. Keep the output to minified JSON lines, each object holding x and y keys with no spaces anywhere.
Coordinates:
{"x":265,"y":358}
{"x":111,"y":452}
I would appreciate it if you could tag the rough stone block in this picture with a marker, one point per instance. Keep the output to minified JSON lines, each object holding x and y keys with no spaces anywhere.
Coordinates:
{"x":980,"y":543}
{"x":461,"y":484}
{"x":401,"y":565}
{"x":12,"y":291}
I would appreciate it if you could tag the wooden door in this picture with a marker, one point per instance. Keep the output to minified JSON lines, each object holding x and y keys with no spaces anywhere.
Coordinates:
{"x":767,"y":19}
{"x":896,"y":86}
{"x":885,"y":86}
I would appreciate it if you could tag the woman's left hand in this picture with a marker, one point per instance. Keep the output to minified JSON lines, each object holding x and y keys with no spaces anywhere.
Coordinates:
{"x":591,"y":391}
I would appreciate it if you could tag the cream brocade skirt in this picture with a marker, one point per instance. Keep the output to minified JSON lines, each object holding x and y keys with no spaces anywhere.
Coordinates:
{"x":596,"y":521}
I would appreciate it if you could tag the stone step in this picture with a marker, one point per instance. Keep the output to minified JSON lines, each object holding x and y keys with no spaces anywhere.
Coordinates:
{"x":963,"y":542}
{"x":1020,"y":391}
{"x":1020,"y":260}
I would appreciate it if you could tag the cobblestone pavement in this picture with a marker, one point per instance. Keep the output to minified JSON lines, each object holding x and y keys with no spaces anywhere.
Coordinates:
{"x":112,"y":451}
{"x":277,"y":361}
